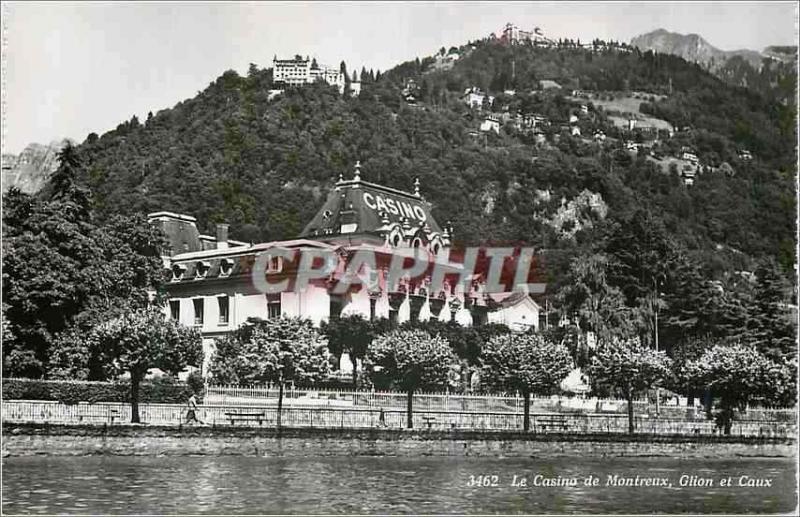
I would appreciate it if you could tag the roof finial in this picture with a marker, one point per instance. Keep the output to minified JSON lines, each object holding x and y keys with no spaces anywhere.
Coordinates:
{"x":358,"y":171}
{"x":416,"y":187}
{"x":341,"y":177}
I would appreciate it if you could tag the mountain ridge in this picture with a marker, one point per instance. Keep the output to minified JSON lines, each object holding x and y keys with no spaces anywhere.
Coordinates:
{"x":693,"y":48}
{"x":31,"y":168}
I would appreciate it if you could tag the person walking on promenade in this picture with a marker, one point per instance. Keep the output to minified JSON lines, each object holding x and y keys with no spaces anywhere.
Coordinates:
{"x":191,"y":413}
{"x":382,"y":419}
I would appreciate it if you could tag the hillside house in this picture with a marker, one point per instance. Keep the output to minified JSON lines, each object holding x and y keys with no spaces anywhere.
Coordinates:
{"x":575,"y":131}
{"x":584,"y":109}
{"x":475,"y":98}
{"x":688,"y":174}
{"x":744,"y":154}
{"x":490,"y":124}
{"x":547,"y":84}
{"x":690,"y":157}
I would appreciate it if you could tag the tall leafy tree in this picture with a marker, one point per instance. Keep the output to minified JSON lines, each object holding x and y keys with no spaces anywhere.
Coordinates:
{"x":772,"y":329}
{"x":629,"y":367}
{"x":143,"y":339}
{"x":737,"y":374}
{"x":527,"y":363}
{"x":409,"y":360}
{"x":599,"y":307}
{"x":48,"y":253}
{"x":350,"y":334}
{"x":277,"y":350}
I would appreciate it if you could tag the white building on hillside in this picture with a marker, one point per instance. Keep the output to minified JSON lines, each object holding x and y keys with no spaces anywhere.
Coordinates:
{"x":475,"y":97}
{"x":490,"y":124}
{"x":299,"y":71}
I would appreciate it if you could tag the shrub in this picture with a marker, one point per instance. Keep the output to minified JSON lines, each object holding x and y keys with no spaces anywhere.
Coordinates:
{"x":161,"y":390}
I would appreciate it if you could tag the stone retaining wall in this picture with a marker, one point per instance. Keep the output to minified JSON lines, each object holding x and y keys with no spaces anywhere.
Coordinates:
{"x":70,"y":440}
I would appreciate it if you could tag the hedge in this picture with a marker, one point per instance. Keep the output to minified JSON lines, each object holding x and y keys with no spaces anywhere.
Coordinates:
{"x":162,"y":390}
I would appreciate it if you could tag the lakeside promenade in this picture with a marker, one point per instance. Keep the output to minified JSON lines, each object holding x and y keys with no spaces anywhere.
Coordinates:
{"x":266,"y":416}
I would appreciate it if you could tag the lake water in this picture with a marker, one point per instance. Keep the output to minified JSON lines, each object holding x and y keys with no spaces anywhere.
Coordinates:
{"x":247,"y":485}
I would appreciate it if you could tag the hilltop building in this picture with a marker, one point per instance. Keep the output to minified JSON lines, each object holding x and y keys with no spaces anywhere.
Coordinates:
{"x":212,"y":284}
{"x":513,"y":35}
{"x":299,"y":71}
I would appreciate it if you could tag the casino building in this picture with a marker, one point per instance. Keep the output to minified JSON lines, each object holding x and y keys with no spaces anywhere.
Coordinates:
{"x":212,"y":283}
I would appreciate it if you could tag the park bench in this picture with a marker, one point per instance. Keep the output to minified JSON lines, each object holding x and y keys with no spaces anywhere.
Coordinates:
{"x":430,"y":420}
{"x":552,"y":422}
{"x":245,"y":417}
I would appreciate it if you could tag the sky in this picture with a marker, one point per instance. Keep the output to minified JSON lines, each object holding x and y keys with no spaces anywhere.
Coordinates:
{"x":74,"y":68}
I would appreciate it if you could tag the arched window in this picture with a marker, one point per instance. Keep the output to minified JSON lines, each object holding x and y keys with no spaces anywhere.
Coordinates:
{"x":177,"y":272}
{"x":225,"y":267}
{"x":201,"y":269}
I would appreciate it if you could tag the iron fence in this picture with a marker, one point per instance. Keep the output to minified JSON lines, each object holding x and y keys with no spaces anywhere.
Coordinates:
{"x":112,"y":413}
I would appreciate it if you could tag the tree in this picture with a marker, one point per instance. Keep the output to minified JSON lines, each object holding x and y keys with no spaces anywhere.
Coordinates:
{"x":62,"y":271}
{"x":143,"y":339}
{"x":599,"y":307}
{"x":48,"y":278}
{"x":736,"y":373}
{"x":276,"y":350}
{"x":351,"y":334}
{"x":772,"y":329}
{"x":465,"y":342}
{"x":688,"y":349}
{"x":63,"y":184}
{"x":527,"y":363}
{"x":409,"y":360}
{"x":626,"y":365}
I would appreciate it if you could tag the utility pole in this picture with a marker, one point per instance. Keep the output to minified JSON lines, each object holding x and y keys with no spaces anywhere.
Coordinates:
{"x":546,"y":313}
{"x":658,"y":389}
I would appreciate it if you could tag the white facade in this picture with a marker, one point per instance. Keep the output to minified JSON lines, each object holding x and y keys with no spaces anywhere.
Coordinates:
{"x":490,"y":124}
{"x":474,"y":98}
{"x":519,"y":315}
{"x":299,"y":71}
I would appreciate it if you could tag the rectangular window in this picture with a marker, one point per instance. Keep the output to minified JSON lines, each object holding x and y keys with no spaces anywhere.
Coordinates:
{"x":224,"y":309}
{"x":274,"y":306}
{"x":175,"y":309}
{"x":198,"y":311}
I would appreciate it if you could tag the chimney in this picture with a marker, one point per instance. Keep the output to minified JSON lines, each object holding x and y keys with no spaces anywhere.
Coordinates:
{"x":222,"y":236}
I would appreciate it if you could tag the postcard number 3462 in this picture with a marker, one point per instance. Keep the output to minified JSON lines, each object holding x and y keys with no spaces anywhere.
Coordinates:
{"x":483,"y":480}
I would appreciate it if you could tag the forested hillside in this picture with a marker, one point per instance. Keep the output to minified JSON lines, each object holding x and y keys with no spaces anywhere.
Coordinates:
{"x":231,"y":154}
